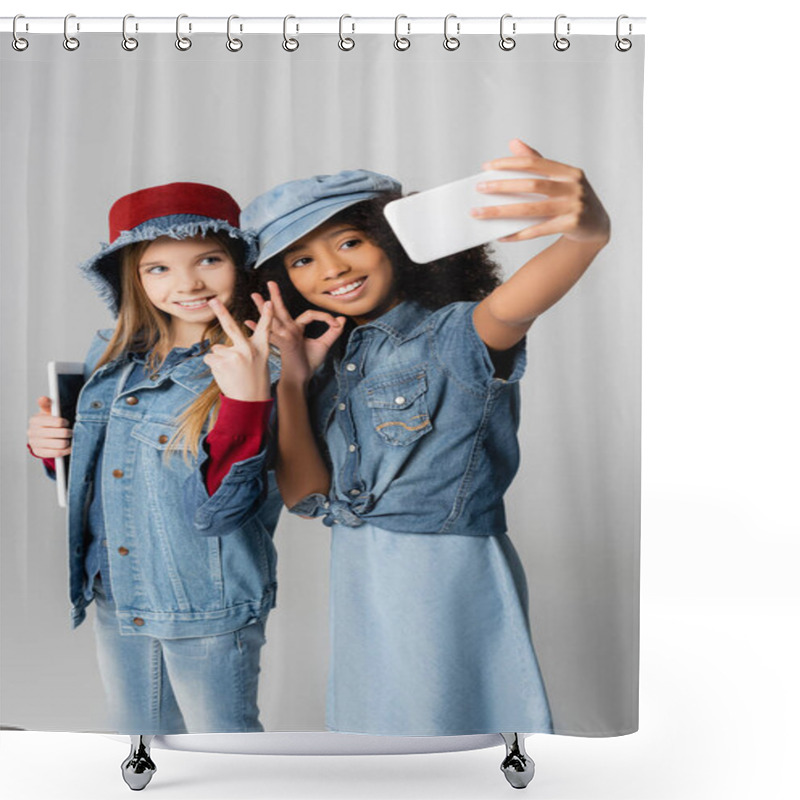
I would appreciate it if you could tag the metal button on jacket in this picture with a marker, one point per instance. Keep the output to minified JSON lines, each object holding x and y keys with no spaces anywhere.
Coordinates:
{"x":132,"y":497}
{"x":132,"y":400}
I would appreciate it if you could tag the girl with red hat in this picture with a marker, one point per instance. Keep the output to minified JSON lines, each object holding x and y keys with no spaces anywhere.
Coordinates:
{"x":170,"y":511}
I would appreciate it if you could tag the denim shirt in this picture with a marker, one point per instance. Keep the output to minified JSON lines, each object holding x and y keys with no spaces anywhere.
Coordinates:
{"x":420,"y":435}
{"x":181,"y":563}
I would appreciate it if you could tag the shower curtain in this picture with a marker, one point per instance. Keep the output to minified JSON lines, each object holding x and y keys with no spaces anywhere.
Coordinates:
{"x":81,"y":129}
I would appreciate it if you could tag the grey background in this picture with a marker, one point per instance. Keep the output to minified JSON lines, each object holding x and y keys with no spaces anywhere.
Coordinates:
{"x":80,"y":129}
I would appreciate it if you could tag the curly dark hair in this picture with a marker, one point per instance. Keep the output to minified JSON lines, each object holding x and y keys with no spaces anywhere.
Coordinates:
{"x":470,"y":275}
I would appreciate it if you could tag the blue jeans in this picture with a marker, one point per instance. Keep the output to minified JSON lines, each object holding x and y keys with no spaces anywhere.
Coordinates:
{"x":205,"y":684}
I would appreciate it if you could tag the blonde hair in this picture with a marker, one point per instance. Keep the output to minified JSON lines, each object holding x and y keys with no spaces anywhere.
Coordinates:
{"x":141,"y":327}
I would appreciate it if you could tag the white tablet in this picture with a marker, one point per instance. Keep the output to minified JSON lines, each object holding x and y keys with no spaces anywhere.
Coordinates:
{"x":437,"y":222}
{"x":65,"y":380}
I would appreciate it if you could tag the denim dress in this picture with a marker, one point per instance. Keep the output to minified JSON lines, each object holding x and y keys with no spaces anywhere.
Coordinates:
{"x":429,"y":624}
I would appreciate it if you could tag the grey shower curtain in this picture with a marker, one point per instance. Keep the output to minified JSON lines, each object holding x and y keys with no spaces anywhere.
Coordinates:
{"x":81,"y":129}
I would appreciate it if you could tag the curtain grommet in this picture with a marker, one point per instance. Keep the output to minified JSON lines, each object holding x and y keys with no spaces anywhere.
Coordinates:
{"x":233,"y":44}
{"x":507,"y":42}
{"x":451,"y":43}
{"x":401,"y":43}
{"x":346,"y":43}
{"x":129,"y":43}
{"x":289,"y":44}
{"x":70,"y":43}
{"x":561,"y":43}
{"x":183,"y":43}
{"x":622,"y":44}
{"x":18,"y":42}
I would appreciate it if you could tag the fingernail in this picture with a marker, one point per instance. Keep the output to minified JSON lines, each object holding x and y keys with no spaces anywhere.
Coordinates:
{"x":477,"y":212}
{"x":481,"y":186}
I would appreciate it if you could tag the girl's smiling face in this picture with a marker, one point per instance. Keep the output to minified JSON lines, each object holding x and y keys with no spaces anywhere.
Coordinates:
{"x":337,"y":268}
{"x":180,"y":276}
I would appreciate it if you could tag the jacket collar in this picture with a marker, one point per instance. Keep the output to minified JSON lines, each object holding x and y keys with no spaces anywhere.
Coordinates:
{"x":178,"y":355}
{"x":183,"y":369}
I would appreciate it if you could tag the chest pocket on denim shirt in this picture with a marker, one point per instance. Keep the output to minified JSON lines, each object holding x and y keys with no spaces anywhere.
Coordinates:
{"x":398,"y":406}
{"x":156,"y":434}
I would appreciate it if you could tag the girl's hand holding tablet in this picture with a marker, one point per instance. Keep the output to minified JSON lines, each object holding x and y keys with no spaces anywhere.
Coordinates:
{"x":241,"y":369}
{"x":572,"y":208}
{"x":48,"y":436}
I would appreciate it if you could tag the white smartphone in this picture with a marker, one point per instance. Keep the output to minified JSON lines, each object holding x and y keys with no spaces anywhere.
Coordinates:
{"x":437,"y":222}
{"x":65,"y":380}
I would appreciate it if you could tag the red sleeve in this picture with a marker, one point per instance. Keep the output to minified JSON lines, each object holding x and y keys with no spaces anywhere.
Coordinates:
{"x":50,"y":463}
{"x":238,"y":434}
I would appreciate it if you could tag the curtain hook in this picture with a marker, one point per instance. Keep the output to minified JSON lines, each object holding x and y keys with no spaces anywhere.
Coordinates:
{"x":182,"y":42}
{"x":234,"y":45}
{"x":561,"y":43}
{"x":70,"y":42}
{"x":507,"y":42}
{"x":289,"y":44}
{"x":345,"y":42}
{"x":129,"y":43}
{"x":17,"y":42}
{"x":401,"y":42}
{"x":451,"y":42}
{"x":623,"y":45}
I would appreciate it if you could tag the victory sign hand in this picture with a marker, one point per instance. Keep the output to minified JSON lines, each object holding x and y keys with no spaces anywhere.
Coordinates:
{"x":241,"y":368}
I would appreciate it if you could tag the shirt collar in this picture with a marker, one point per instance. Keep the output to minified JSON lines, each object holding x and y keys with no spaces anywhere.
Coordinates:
{"x":401,"y":321}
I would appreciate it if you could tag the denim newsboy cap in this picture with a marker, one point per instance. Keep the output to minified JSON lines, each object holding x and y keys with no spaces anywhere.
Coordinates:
{"x":288,"y":212}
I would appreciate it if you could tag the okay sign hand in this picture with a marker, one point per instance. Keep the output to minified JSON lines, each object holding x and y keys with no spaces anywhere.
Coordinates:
{"x":241,"y":368}
{"x":300,"y":356}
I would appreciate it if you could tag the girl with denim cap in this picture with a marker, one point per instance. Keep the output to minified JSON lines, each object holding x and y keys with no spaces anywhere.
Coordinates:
{"x":170,"y":517}
{"x":404,"y":440}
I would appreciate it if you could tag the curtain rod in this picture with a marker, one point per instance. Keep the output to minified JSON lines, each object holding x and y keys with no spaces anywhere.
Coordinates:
{"x":460,"y":26}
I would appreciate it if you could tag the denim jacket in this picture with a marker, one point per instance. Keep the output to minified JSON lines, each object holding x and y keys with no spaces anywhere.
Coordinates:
{"x":181,"y":563}
{"x":420,"y":435}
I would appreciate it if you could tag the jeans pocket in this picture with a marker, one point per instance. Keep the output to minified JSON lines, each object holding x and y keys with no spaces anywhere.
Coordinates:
{"x":398,"y":405}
